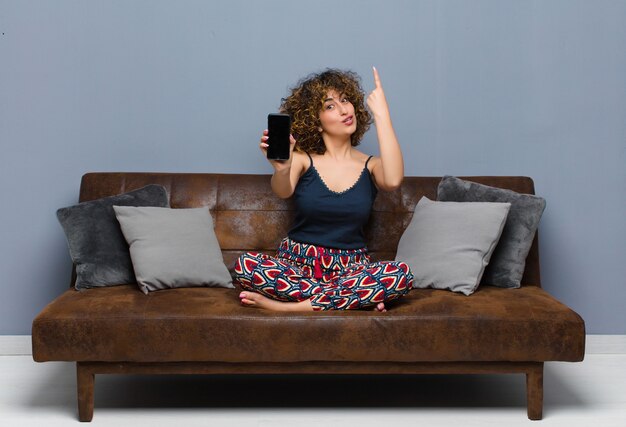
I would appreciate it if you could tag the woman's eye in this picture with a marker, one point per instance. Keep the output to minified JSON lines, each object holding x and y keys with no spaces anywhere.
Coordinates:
{"x":344,"y":100}
{"x":329,"y":106}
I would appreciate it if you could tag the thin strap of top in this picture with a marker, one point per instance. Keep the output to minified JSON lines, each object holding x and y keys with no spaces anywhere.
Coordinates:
{"x":311,"y":160}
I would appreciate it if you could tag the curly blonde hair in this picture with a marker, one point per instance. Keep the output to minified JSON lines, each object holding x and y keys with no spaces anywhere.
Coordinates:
{"x":306,"y":100}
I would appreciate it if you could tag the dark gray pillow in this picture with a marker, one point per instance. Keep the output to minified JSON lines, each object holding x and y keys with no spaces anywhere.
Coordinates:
{"x":96,"y":243}
{"x":507,"y":263}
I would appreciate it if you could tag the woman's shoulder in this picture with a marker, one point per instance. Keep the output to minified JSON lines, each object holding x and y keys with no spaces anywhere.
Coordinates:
{"x":300,"y":161}
{"x":301,"y":157}
{"x":368,"y":159}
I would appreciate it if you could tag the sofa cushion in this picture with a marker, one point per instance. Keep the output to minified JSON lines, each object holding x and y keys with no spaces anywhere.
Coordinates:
{"x":508,"y":261}
{"x":95,"y":240}
{"x":209,"y":324}
{"x":448,"y":244}
{"x":173,"y":248}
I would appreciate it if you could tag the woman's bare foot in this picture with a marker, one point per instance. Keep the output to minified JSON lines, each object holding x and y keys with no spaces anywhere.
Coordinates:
{"x":253,"y":299}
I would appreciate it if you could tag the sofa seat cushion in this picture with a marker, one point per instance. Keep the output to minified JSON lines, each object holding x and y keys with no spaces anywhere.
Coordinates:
{"x":120,"y":324}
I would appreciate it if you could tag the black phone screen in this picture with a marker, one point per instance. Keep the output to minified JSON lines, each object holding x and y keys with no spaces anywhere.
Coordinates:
{"x":279,"y":129}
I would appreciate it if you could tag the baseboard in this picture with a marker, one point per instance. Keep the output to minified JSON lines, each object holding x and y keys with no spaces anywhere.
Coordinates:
{"x":605,"y":344}
{"x":15,"y":345}
{"x":20,"y":345}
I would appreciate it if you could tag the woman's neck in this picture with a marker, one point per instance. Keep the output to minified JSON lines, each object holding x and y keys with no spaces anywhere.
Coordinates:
{"x":337,"y":148}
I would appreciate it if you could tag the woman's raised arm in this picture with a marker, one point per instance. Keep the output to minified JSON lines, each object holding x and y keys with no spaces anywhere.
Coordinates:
{"x":389,"y":171}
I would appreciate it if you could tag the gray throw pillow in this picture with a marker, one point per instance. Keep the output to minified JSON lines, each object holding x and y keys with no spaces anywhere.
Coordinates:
{"x":96,"y":243}
{"x":447,"y":245}
{"x":509,"y":259}
{"x":173,"y":248}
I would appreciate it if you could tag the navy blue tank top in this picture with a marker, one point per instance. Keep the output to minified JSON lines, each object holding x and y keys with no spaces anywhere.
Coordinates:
{"x":328,"y":218}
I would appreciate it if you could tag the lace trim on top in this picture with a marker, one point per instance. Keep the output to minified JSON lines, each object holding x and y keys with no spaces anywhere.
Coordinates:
{"x":343,"y":191}
{"x":312,"y":166}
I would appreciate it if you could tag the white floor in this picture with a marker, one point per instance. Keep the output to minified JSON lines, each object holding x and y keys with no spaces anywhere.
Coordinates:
{"x":589,"y":393}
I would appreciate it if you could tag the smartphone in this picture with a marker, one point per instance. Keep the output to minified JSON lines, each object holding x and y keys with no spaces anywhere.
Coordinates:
{"x":278,"y":131}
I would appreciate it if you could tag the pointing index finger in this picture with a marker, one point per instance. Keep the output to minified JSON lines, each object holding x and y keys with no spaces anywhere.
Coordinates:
{"x":376,"y":78}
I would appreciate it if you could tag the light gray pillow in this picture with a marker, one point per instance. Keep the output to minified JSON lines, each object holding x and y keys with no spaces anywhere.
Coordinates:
{"x":447,"y":245}
{"x":173,"y":248}
{"x":509,"y":259}
{"x":97,"y":246}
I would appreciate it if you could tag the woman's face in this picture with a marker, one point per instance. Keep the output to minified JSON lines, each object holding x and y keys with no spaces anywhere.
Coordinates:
{"x":337,"y":117}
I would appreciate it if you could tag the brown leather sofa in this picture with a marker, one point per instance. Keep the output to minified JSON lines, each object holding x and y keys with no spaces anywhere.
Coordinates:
{"x":119,"y":330}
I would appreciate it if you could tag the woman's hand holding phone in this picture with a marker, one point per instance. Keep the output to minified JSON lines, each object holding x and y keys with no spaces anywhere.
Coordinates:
{"x":278,"y":165}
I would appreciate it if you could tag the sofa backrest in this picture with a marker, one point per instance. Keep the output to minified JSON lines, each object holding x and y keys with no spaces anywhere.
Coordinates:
{"x":249,"y":216}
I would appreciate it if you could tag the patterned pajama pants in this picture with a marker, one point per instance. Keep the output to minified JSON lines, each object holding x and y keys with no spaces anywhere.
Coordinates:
{"x":339,"y":279}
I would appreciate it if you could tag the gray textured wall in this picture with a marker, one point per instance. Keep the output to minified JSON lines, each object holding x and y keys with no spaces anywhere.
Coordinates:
{"x":496,"y":87}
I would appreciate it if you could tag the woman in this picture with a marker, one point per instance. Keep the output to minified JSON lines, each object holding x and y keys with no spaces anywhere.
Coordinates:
{"x":323,"y":262}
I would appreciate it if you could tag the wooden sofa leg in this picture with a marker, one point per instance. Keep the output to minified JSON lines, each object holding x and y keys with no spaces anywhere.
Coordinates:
{"x":85,"y":383}
{"x":534,"y":392}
